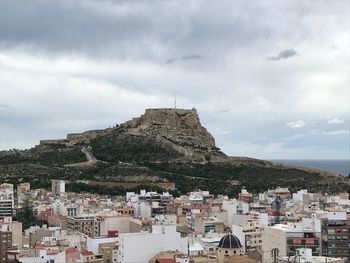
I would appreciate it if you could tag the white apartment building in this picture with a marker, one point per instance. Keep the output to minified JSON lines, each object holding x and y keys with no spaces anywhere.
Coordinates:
{"x":43,"y":256}
{"x":6,"y":200}
{"x":58,"y":187}
{"x":142,"y":246}
{"x":234,"y":207}
{"x":250,"y":234}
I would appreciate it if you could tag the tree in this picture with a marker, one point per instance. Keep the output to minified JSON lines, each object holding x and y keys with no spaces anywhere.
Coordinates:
{"x":26,"y":214}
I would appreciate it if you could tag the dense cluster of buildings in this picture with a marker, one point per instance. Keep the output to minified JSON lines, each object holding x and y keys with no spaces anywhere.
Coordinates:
{"x":274,"y":226}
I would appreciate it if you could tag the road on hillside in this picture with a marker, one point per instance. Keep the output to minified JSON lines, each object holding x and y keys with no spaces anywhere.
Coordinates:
{"x":90,"y":159}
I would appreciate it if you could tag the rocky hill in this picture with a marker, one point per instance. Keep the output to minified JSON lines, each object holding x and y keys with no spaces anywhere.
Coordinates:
{"x":159,"y":135}
{"x":160,"y":147}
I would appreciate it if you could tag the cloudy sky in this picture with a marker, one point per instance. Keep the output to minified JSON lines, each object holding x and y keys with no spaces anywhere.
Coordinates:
{"x":270,"y":79}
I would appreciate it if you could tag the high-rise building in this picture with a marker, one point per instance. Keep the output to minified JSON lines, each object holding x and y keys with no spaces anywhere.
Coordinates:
{"x":6,"y":208}
{"x":6,"y":200}
{"x":336,"y":236}
{"x":58,"y":187}
{"x":5,"y":242}
{"x":15,"y":228}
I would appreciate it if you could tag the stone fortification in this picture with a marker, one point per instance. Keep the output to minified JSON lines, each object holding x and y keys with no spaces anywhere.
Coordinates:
{"x":178,"y":128}
{"x":74,"y":138}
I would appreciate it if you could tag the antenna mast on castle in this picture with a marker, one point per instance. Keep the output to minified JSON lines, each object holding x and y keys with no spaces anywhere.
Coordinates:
{"x":175,"y":101}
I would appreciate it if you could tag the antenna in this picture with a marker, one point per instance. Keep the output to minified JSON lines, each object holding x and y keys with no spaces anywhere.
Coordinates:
{"x":175,"y":101}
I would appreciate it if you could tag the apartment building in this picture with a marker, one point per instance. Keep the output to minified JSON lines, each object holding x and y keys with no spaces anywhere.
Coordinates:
{"x":58,"y":187}
{"x":83,"y":224}
{"x":336,"y":236}
{"x":288,"y":238}
{"x":250,"y":234}
{"x":15,"y":228}
{"x":5,"y":243}
{"x":6,"y":200}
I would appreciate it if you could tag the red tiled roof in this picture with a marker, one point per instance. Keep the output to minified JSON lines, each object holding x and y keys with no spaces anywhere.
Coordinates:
{"x":40,"y":248}
{"x":71,"y":250}
{"x":166,"y":260}
{"x":87,"y":253}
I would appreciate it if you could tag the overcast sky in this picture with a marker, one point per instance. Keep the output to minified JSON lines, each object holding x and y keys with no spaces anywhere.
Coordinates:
{"x":270,"y":79}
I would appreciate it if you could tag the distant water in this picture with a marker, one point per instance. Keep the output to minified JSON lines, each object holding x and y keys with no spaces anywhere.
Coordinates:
{"x":338,"y":166}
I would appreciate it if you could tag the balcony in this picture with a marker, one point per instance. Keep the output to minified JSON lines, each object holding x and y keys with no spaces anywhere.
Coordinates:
{"x":298,"y":241}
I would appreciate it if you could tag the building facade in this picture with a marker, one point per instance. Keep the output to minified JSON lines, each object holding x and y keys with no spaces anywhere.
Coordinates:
{"x":336,"y":238}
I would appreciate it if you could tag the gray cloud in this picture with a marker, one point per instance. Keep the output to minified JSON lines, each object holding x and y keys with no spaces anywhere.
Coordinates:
{"x":183,"y":58}
{"x":107,"y":58}
{"x":288,"y":53}
{"x":131,"y":31}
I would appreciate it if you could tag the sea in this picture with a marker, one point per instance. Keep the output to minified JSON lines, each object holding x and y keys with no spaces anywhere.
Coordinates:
{"x":341,"y":166}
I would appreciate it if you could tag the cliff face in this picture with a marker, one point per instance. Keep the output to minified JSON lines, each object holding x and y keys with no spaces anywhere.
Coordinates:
{"x":176,"y":128}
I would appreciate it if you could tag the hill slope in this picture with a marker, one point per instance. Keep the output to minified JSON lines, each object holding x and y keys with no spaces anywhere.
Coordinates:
{"x":163,"y":145}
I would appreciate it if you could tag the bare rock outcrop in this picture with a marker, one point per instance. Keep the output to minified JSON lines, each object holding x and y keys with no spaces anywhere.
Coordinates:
{"x":177,"y":128}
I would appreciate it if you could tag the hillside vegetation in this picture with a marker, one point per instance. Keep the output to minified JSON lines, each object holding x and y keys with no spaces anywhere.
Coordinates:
{"x":163,"y":145}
